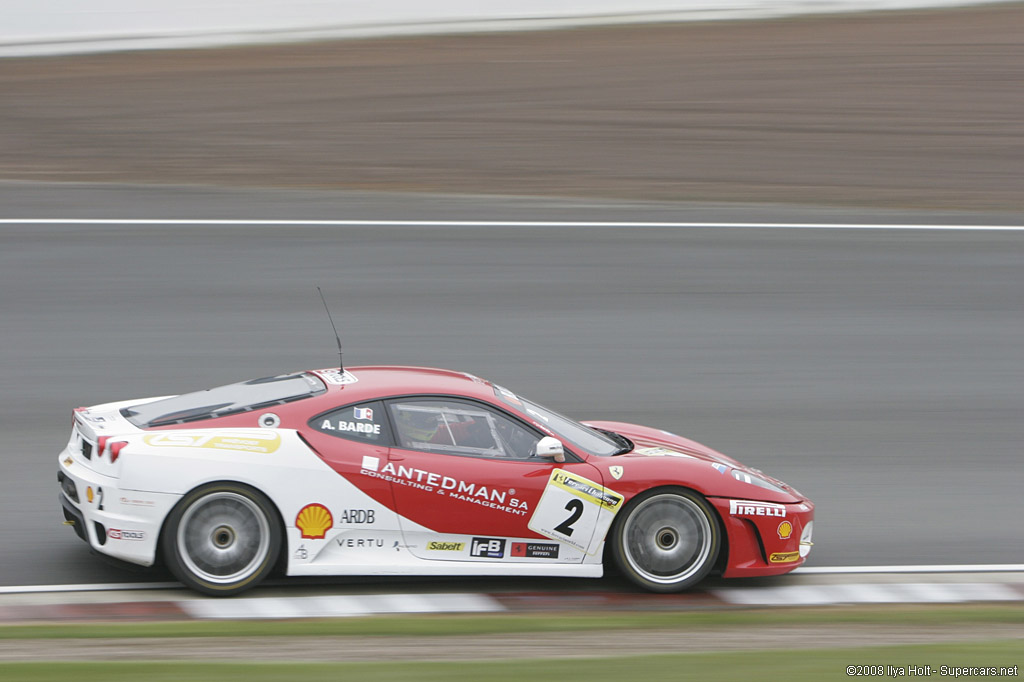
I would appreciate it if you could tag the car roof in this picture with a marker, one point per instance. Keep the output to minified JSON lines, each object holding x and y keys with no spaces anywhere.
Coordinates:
{"x":376,"y":381}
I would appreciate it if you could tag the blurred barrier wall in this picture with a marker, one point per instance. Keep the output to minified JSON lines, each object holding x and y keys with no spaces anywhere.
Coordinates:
{"x":32,"y":27}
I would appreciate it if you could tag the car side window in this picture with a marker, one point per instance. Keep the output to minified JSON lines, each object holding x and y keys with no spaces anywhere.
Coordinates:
{"x":365,"y":422}
{"x":452,"y":427}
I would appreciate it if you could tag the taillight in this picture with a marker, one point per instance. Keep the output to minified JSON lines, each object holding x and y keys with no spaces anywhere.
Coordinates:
{"x":115,"y":450}
{"x":101,"y":444}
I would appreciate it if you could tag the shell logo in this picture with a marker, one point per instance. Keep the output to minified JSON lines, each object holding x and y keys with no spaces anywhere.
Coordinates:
{"x":313,"y":520}
{"x":785,"y":530}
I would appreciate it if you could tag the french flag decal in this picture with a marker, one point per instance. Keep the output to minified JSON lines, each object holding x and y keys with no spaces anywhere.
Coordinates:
{"x":363,"y":413}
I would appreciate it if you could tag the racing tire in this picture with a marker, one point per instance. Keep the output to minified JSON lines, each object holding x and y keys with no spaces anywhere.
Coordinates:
{"x":222,"y":539}
{"x":666,"y":540}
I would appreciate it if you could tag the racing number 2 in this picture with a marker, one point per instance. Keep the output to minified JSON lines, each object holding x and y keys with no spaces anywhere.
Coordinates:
{"x":575,"y":509}
{"x":589,"y":504}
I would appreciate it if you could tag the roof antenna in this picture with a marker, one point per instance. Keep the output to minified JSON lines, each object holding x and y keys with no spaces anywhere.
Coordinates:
{"x":341,"y":365}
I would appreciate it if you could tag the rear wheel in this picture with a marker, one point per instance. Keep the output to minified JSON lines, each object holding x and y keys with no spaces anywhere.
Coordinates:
{"x":222,"y":539}
{"x":666,"y":540}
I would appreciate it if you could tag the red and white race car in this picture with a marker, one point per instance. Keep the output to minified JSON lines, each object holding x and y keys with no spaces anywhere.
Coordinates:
{"x":412,"y":471}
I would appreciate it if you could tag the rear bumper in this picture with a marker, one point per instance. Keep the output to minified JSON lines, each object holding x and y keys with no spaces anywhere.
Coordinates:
{"x":120,"y":523}
{"x":765,"y":538}
{"x":72,"y":516}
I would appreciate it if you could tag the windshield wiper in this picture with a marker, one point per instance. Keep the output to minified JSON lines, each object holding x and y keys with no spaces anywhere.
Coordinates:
{"x":625,"y":444}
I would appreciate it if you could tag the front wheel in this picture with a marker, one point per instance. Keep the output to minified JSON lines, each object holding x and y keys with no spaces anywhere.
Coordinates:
{"x":222,"y":539}
{"x":667,"y":540}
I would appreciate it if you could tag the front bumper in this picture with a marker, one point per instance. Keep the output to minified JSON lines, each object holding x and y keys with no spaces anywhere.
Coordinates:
{"x":765,"y":538}
{"x":121,"y":523}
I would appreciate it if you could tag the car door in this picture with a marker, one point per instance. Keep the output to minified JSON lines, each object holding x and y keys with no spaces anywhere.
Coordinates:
{"x":361,"y":504}
{"x":468,"y":487}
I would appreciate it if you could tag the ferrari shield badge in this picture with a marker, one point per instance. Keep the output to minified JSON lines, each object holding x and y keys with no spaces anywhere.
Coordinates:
{"x":616,"y":472}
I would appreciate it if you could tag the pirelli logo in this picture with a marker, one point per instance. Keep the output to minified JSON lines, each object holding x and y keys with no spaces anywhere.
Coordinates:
{"x":752,"y":508}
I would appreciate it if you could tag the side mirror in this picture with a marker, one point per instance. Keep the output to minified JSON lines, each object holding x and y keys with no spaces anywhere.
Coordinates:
{"x":550,"y":448}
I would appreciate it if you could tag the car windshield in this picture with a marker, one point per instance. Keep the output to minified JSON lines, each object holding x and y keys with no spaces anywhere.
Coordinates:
{"x":567,"y":430}
{"x":224,"y":400}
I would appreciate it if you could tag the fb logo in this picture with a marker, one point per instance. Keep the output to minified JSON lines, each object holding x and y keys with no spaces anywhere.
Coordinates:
{"x":363,"y":413}
{"x":492,"y":548}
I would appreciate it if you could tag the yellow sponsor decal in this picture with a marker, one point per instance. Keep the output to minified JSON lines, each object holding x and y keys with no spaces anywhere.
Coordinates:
{"x":262,"y":442}
{"x":785,"y":530}
{"x":586,"y":489}
{"x":314,"y":520}
{"x":784,"y":557}
{"x":446,"y":546}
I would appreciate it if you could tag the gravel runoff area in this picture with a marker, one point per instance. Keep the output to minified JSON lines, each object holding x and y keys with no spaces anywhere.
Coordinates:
{"x":591,"y":644}
{"x":914,"y":109}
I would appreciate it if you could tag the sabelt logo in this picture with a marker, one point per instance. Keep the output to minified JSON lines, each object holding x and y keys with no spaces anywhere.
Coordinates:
{"x":446,"y":546}
{"x":118,"y":534}
{"x":752,"y":508}
{"x":784,"y":557}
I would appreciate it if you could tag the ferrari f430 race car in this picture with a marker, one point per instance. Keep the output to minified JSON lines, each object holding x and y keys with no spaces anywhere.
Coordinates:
{"x":412,"y":471}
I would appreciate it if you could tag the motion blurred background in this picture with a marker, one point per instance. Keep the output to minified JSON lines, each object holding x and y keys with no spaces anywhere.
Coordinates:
{"x":894,"y":109}
{"x":878,"y":371}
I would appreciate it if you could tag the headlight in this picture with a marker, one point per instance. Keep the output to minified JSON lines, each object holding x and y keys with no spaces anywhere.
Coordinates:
{"x":756,"y":480}
{"x":805,"y":539}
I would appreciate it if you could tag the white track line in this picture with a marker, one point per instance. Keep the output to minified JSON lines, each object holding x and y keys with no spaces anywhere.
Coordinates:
{"x":339,"y":606}
{"x":94,"y":587}
{"x":963,"y":568}
{"x":869,"y":593}
{"x":848,"y":570}
{"x":502,"y":223}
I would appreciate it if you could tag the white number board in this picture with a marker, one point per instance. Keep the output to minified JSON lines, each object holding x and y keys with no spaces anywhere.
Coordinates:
{"x":575,"y":510}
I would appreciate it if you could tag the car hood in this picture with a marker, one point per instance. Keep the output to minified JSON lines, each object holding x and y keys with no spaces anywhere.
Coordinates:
{"x":645,"y":437}
{"x":654,"y":442}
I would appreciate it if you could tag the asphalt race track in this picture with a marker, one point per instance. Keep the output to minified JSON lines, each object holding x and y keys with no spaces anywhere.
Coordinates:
{"x":878,"y":371}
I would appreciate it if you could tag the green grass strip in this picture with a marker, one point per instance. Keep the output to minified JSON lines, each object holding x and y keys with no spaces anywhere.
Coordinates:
{"x":443,"y":625}
{"x":791,"y":666}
